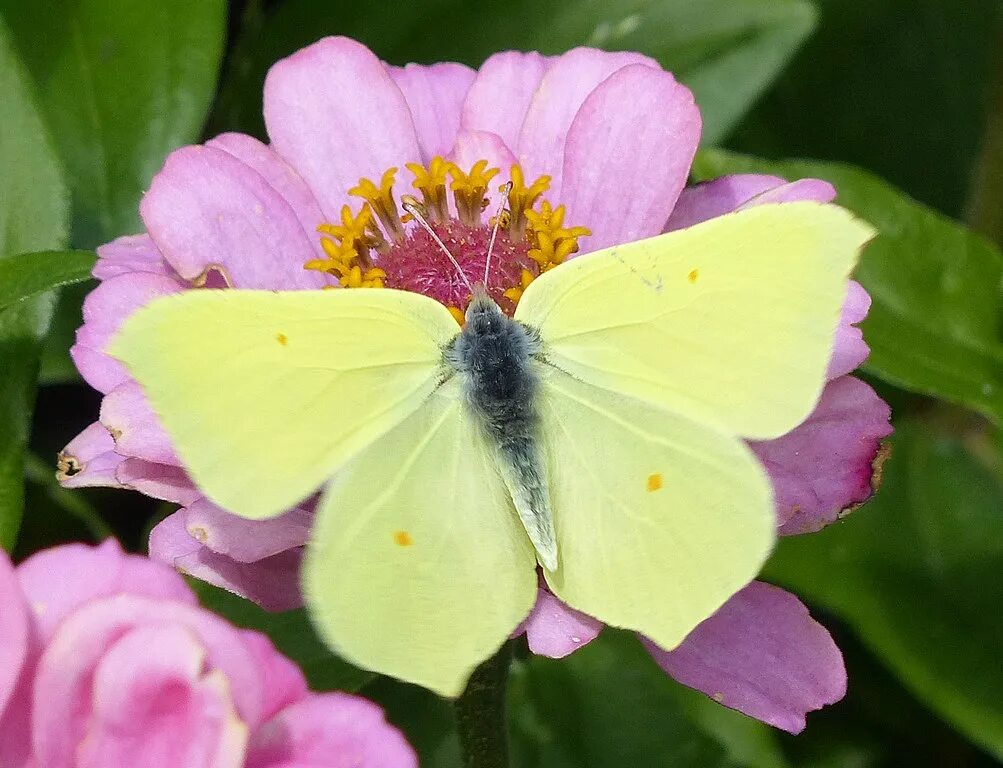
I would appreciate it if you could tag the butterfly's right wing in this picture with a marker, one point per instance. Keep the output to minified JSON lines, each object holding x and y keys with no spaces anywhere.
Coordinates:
{"x":418,"y":566}
{"x":660,"y":519}
{"x":729,"y":322}
{"x":265,"y":394}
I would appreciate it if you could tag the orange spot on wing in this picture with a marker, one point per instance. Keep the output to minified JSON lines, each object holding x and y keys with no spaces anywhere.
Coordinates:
{"x":654,"y":481}
{"x":403,"y":539}
{"x":693,"y":275}
{"x":282,"y":339}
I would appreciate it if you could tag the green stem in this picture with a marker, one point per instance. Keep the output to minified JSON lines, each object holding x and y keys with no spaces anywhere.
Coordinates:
{"x":480,"y":714}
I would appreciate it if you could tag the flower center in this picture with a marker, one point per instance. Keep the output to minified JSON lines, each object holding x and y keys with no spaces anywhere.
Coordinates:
{"x":379,"y":246}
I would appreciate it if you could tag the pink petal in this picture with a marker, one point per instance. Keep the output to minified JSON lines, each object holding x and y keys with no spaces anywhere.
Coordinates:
{"x":281,"y":176}
{"x":560,"y":94}
{"x":206,"y":210}
{"x":246,"y":541}
{"x":15,"y":722}
{"x":57,"y":581}
{"x":802,"y":189}
{"x":553,"y":629}
{"x":826,"y":465}
{"x":501,"y":93}
{"x":849,"y":348}
{"x":330,"y":730}
{"x":728,"y":193}
{"x":153,"y":706}
{"x":64,"y":680}
{"x":105,"y":309}
{"x":89,"y":459}
{"x":333,"y":111}
{"x":435,"y":97}
{"x":161,"y":481}
{"x":282,"y":681}
{"x":472,"y":146}
{"x":13,"y":630}
{"x":763,"y":655}
{"x":129,"y":254}
{"x":627,"y":156}
{"x":128,"y":417}
{"x":272,"y":583}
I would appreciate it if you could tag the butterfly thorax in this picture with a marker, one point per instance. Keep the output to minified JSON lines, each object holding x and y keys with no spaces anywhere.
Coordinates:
{"x":493,"y":355}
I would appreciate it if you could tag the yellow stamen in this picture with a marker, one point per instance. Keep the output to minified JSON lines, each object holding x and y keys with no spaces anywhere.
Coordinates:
{"x":431,"y":182}
{"x":515,"y":293}
{"x":521,"y":198}
{"x":469,"y":190}
{"x":381,"y":199}
{"x":457,"y":314}
{"x":354,"y":246}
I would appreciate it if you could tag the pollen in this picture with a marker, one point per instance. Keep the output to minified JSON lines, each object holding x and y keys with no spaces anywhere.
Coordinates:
{"x":654,"y":482}
{"x":693,"y":275}
{"x":403,"y":539}
{"x":282,"y":339}
{"x":378,"y":245}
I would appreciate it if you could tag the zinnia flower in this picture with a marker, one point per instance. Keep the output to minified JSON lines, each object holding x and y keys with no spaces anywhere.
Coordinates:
{"x":597,"y":147}
{"x":106,"y":659}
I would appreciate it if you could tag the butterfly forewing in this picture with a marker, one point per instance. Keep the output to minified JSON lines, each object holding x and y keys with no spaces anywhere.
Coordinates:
{"x":264,"y":394}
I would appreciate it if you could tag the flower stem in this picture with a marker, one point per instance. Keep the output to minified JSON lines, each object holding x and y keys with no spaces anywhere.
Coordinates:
{"x":480,"y":714}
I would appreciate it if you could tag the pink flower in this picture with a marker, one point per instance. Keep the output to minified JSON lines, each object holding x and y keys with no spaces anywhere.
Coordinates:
{"x":106,"y":659}
{"x":608,"y":139}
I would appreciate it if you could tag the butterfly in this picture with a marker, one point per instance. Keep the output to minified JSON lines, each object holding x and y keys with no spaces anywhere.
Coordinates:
{"x":598,"y":433}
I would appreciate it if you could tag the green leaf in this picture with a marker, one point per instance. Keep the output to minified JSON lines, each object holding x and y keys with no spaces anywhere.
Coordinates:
{"x":727,"y":51}
{"x":29,"y":274}
{"x":607,"y":704}
{"x":935,"y":286}
{"x":917,"y":575}
{"x":896,"y":86}
{"x":747,"y":742}
{"x":33,"y":216}
{"x":122,"y":84}
{"x":292,"y":634}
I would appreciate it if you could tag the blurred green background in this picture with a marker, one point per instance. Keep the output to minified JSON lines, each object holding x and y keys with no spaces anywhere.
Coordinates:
{"x":898,"y":102}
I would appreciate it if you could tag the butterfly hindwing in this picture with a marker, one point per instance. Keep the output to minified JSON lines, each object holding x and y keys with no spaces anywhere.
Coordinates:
{"x":419,"y":566}
{"x":660,"y":519}
{"x":264,"y":394}
{"x":729,"y":322}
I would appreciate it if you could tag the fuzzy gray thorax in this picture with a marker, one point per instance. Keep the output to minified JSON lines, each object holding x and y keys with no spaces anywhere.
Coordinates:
{"x":493,"y":356}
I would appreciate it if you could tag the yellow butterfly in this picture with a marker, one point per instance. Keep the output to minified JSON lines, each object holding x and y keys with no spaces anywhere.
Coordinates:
{"x":600,"y":432}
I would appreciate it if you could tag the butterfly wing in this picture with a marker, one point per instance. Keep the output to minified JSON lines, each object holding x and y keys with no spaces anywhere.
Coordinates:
{"x":264,"y":394}
{"x":659,"y":519}
{"x":729,"y":322}
{"x":419,"y":566}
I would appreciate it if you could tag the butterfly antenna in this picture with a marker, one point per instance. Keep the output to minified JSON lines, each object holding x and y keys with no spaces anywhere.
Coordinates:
{"x":494,"y":230}
{"x":410,"y":205}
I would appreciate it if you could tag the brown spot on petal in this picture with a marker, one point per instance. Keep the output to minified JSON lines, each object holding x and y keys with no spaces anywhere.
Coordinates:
{"x":282,"y":339}
{"x":693,"y":275}
{"x":213,"y":276}
{"x":199,"y":533}
{"x":718,"y":697}
{"x":877,"y":472}
{"x":67,"y":465}
{"x":116,"y":434}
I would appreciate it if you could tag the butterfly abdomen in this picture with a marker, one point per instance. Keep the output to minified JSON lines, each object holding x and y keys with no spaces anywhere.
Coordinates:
{"x":493,"y":356}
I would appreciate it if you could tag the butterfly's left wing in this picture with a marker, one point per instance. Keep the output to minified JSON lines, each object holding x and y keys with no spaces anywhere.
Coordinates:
{"x":265,"y":394}
{"x":659,"y":519}
{"x":418,"y":566}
